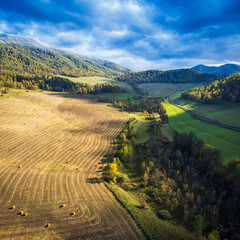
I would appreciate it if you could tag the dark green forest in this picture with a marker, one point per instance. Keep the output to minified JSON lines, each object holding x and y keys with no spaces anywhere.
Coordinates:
{"x":217,"y":92}
{"x":170,"y":76}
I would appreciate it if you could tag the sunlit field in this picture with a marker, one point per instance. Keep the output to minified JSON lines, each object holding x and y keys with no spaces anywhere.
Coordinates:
{"x":225,"y":140}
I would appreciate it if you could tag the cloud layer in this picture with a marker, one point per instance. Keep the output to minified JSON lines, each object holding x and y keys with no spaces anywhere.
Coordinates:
{"x":140,"y":34}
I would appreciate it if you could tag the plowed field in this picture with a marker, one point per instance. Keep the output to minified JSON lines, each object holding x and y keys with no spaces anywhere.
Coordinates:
{"x":52,"y":151}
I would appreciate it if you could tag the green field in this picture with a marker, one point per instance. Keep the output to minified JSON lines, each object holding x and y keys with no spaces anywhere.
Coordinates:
{"x":225,"y":140}
{"x":99,"y":80}
{"x":228,"y":113}
{"x":140,"y":126}
{"x":165,"y":89}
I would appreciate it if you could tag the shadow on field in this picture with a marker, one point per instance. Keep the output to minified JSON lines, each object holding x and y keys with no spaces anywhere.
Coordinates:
{"x":94,"y":180}
{"x":72,"y":96}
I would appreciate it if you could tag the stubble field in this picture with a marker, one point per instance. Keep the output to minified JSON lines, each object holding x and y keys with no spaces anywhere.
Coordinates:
{"x":52,"y":151}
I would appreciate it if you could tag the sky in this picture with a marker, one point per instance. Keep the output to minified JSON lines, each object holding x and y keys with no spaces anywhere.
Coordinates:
{"x":137,"y":34}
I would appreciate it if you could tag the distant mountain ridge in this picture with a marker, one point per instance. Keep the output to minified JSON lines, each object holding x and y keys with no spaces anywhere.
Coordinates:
{"x":21,"y":55}
{"x":226,"y":69}
{"x":169,"y":76}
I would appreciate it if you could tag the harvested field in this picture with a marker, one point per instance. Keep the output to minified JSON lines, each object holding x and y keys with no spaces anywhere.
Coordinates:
{"x":52,"y":150}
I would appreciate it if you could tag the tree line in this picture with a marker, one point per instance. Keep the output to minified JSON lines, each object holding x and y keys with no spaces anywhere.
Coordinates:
{"x":59,"y":84}
{"x":170,"y":76}
{"x":217,"y":92}
{"x":156,"y":105}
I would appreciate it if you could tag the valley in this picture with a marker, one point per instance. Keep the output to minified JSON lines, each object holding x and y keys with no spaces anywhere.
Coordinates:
{"x":92,"y":150}
{"x":225,"y":140}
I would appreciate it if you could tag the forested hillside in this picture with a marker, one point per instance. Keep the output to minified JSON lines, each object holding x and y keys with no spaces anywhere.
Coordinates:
{"x":170,"y":76}
{"x":219,"y":92}
{"x":20,"y":60}
{"x":110,"y":65}
{"x":227,"y":69}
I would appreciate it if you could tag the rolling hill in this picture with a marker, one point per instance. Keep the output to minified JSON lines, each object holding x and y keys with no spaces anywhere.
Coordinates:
{"x":170,"y":76}
{"x":218,"y":92}
{"x":226,"y":69}
{"x":25,"y":56}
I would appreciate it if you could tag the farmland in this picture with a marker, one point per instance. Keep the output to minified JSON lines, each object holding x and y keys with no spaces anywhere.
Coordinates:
{"x":53,"y":147}
{"x":228,"y":113}
{"x":225,"y":140}
{"x":165,"y":89}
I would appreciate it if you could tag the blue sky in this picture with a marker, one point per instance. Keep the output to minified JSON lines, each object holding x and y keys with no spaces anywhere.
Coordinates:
{"x":138,"y":34}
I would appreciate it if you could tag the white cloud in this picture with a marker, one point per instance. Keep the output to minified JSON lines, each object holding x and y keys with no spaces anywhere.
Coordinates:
{"x":124,"y":31}
{"x":5,"y":27}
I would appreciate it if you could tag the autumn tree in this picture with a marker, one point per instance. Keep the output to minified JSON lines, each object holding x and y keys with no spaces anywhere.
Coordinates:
{"x":112,"y":172}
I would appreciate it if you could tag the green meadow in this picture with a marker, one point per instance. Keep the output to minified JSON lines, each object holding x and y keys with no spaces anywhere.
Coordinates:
{"x":15,"y":93}
{"x":140,"y":126}
{"x":99,"y":80}
{"x":228,"y":113}
{"x":165,"y":89}
{"x":225,"y":140}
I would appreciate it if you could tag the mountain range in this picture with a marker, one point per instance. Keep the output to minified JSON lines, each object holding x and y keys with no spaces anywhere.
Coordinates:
{"x":27,"y":57}
{"x":226,"y":69}
{"x":21,"y":56}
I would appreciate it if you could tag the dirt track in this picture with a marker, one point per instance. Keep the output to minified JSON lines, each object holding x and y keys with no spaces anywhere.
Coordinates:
{"x":52,"y":150}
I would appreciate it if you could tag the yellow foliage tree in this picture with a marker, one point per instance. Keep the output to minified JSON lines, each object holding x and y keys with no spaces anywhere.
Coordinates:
{"x":112,"y":172}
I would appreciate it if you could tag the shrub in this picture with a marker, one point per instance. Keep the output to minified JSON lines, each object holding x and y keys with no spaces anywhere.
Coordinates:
{"x":164,"y":214}
{"x":88,"y":211}
{"x":122,"y":178}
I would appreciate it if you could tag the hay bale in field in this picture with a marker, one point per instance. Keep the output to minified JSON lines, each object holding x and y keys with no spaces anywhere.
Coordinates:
{"x":21,"y":213}
{"x":47,"y":225}
{"x":72,"y":214}
{"x":62,"y":206}
{"x":12,"y":207}
{"x":19,"y":166}
{"x":24,"y":214}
